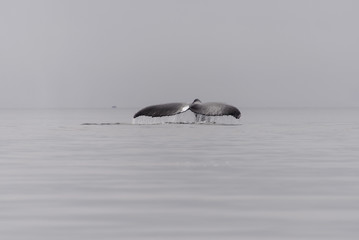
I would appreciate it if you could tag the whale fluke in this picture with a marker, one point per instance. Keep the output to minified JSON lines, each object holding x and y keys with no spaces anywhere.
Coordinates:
{"x":214,"y":109}
{"x":197,"y":107}
{"x":162,"y":110}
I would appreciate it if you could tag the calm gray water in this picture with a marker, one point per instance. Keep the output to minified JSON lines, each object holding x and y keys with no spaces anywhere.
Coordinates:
{"x":280,"y":174}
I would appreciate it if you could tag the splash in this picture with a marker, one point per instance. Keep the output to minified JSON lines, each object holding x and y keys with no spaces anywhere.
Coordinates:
{"x":187,"y":117}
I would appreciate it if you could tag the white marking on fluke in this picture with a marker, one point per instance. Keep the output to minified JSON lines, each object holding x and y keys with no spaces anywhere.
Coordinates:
{"x":185,"y":108}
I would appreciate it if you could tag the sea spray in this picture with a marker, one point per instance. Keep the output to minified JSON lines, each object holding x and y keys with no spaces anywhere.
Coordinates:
{"x":187,"y":117}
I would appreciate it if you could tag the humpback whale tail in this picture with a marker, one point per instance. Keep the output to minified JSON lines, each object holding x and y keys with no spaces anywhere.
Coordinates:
{"x":202,"y":112}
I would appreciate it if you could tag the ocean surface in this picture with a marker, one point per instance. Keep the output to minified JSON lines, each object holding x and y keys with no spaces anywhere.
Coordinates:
{"x":90,"y":174}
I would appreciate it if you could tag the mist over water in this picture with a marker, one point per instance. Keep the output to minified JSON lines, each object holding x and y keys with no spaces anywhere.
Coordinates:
{"x":90,"y":174}
{"x":279,"y":174}
{"x":81,"y":53}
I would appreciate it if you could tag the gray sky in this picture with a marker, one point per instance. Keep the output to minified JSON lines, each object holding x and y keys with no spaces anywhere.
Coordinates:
{"x":82,"y":53}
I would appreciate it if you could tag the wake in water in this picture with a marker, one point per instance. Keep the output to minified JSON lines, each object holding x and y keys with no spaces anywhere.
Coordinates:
{"x":104,"y":123}
{"x":187,"y":117}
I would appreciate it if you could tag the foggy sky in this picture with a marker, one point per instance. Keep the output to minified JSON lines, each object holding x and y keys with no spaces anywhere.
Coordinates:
{"x":81,"y":53}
